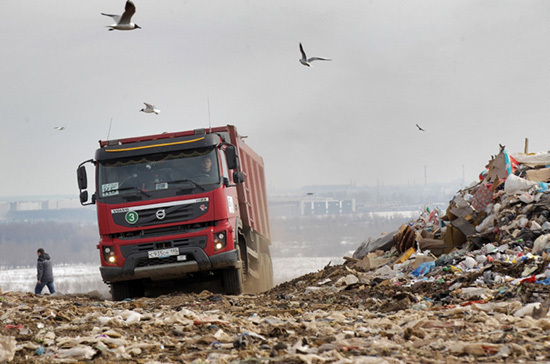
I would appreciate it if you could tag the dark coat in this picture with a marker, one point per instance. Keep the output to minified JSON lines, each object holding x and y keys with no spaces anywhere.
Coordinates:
{"x":44,"y":268}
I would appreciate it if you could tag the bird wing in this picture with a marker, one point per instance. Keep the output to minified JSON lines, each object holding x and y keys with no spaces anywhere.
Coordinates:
{"x":129,"y":10}
{"x":318,"y":59}
{"x":115,"y":17}
{"x":149,"y":106}
{"x":303,"y":53}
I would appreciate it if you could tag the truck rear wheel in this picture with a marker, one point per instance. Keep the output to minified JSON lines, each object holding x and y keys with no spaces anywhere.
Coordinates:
{"x":232,"y":280}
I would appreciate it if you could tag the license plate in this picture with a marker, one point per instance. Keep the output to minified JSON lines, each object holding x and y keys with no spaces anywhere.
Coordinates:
{"x":163,"y":253}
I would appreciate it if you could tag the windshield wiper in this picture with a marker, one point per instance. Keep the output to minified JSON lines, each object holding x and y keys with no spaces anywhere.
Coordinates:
{"x":133,"y":188}
{"x":190,"y":181}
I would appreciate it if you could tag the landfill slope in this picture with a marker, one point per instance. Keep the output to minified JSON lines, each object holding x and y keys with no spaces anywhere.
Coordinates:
{"x":337,"y":315}
{"x":467,"y":285}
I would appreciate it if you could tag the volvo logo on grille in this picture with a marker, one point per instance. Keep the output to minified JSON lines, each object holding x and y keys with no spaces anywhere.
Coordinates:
{"x":160,"y":214}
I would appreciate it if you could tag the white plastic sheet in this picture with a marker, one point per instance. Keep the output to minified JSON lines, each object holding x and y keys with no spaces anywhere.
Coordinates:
{"x":515,"y":184}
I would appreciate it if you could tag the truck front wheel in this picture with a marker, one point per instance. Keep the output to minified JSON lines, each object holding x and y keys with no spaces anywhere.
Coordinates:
{"x":120,"y":290}
{"x":232,"y":280}
{"x":126,"y":289}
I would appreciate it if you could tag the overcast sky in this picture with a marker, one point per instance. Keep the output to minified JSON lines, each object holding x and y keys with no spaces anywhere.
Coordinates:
{"x":473,"y":74}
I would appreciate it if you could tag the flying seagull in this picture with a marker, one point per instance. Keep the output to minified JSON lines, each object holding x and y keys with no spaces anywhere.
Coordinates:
{"x":148,"y":109}
{"x":419,"y":128}
{"x":123,"y":22}
{"x":306,"y":61}
{"x":59,"y":128}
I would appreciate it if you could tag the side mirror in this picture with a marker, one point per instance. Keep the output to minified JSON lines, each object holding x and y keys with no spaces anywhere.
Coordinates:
{"x":231,"y":156}
{"x":83,"y":197}
{"x":82,"y":179}
{"x":238,"y":177}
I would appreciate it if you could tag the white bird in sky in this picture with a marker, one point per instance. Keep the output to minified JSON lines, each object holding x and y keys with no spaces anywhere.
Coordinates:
{"x":148,"y":109}
{"x":306,"y":61}
{"x":124,"y":22}
{"x":59,"y":128}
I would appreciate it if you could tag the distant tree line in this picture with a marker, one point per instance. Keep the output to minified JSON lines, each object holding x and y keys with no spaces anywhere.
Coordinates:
{"x":67,"y":243}
{"x":72,"y":242}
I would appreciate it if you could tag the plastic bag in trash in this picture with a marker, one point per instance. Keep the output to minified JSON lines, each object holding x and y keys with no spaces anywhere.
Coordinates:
{"x":246,"y":338}
{"x":78,"y":352}
{"x":423,"y":269}
{"x":541,"y":243}
{"x":515,"y":184}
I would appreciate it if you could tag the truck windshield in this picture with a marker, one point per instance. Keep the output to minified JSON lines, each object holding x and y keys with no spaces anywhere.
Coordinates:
{"x":159,"y":175}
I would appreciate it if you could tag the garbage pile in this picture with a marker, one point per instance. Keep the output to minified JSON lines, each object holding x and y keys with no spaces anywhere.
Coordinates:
{"x":502,"y":218}
{"x":470,"y":284}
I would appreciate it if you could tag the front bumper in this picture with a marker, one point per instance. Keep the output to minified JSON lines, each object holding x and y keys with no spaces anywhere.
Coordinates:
{"x":199,"y":262}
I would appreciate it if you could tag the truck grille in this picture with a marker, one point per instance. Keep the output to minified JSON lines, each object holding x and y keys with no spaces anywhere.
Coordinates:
{"x":161,"y":215}
{"x":170,"y":230}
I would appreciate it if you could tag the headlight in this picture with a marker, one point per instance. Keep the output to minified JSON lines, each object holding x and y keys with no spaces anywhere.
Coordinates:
{"x":109,"y":254}
{"x":219,"y":241}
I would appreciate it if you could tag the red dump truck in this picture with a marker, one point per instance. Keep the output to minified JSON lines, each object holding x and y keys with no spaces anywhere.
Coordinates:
{"x":180,"y":208}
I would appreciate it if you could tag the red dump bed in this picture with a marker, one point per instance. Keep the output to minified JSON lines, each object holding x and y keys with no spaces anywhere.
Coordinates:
{"x":252,"y":193}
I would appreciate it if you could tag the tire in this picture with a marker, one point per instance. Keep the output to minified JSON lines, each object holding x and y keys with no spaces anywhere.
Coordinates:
{"x":232,"y":280}
{"x":136,"y":289}
{"x":120,"y":290}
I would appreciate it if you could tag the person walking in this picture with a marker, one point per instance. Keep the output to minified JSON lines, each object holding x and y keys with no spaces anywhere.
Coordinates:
{"x":45,"y":272}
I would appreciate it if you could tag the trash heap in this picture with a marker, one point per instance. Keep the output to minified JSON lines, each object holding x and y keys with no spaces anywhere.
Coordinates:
{"x":502,"y":219}
{"x":467,"y":285}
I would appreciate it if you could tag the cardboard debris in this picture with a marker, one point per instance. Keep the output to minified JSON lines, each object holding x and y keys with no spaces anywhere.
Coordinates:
{"x":459,"y":208}
{"x":384,"y":242}
{"x":375,"y":260}
{"x":454,"y":237}
{"x":538,"y":175}
{"x":405,"y":238}
{"x":497,"y":167}
{"x":436,"y":246}
{"x":464,"y":227}
{"x":533,"y":160}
